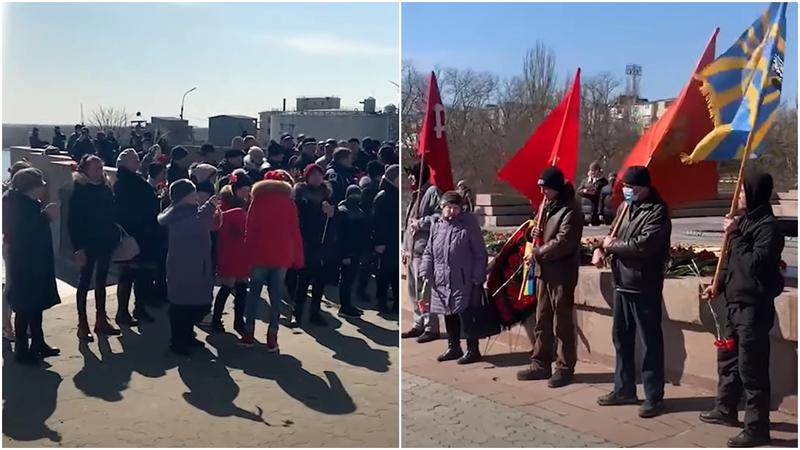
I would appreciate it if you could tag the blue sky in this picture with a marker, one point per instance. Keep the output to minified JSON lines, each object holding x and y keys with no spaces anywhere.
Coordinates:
{"x":665,"y":39}
{"x":243,"y":58}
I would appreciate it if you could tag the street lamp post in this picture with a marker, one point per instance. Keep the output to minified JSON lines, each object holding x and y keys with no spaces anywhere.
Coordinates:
{"x":184,"y":98}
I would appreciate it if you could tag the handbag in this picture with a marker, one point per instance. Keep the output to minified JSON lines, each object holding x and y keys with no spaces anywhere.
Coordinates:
{"x":480,"y":320}
{"x":127,"y":249}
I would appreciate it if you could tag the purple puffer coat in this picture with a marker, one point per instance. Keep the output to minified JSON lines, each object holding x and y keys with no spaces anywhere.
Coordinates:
{"x":454,"y":262}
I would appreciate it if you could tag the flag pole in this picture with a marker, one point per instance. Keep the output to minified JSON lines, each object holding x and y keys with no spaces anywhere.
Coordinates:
{"x":734,"y":208}
{"x":417,"y":214}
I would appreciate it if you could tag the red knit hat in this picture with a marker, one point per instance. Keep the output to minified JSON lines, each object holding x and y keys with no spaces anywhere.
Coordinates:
{"x":280,"y":175}
{"x":311,"y":167}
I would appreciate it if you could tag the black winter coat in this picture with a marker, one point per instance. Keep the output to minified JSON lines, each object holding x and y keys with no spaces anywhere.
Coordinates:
{"x":340,"y":178}
{"x":106,"y":151}
{"x":80,"y":148}
{"x":176,"y":172}
{"x":362,"y":158}
{"x":137,"y":207}
{"x":92,"y":217}
{"x":386,"y":219}
{"x":752,"y":274}
{"x":30,"y":272}
{"x":313,"y":222}
{"x":640,"y":252}
{"x":352,"y":226}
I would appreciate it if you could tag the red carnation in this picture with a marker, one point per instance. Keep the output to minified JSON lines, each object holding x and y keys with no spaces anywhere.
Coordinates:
{"x":727,"y":344}
{"x":73,"y":166}
{"x":232,"y":178}
{"x":163,"y":159}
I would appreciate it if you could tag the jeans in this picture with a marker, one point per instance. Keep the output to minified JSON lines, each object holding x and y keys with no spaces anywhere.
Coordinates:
{"x":642,"y":313}
{"x":274,"y":278}
{"x":101,"y":262}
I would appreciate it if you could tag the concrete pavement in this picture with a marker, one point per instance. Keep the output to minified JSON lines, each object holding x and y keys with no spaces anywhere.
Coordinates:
{"x":332,"y":386}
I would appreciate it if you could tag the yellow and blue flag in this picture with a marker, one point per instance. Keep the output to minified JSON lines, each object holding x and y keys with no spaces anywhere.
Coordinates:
{"x":743,"y":88}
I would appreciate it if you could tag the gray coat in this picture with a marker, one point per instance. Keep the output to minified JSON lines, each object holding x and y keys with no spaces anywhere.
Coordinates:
{"x":190,"y":274}
{"x":454,"y":262}
{"x":429,"y":211}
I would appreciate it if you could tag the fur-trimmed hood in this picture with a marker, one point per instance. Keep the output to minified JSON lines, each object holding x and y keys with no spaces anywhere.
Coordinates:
{"x":271,"y":186}
{"x":81,"y":178}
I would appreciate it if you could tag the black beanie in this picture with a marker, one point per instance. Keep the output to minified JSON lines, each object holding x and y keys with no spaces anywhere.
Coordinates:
{"x":180,"y":189}
{"x":637,"y":176}
{"x":552,"y":178}
{"x":178,"y":152}
{"x":234,"y":154}
{"x":452,"y":198}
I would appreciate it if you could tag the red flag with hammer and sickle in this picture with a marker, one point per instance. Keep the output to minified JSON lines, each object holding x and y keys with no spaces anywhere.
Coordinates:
{"x":432,"y":147}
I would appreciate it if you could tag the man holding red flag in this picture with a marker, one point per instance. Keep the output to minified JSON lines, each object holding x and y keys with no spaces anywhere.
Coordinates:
{"x":557,"y":253}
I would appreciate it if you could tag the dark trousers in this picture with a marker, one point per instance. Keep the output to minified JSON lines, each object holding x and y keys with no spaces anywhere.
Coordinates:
{"x":312,"y":275}
{"x":365,"y":267}
{"x":239,"y":298}
{"x":138,"y":280}
{"x":745,"y":369}
{"x":93,"y":261}
{"x":348,"y":276}
{"x":388,"y":275}
{"x":182,"y":319}
{"x":453,"y":324}
{"x":642,"y":313}
{"x":28,"y":321}
{"x":554,"y":310}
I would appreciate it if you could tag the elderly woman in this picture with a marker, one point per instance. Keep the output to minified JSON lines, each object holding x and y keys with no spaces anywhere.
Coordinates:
{"x":454,"y":265}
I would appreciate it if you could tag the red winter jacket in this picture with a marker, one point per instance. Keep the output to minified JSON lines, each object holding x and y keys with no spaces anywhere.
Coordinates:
{"x":232,"y":261}
{"x":272,"y":232}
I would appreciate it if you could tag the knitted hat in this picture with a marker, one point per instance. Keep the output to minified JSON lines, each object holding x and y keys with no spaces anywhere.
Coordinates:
{"x":637,"y":176}
{"x":312,"y":167}
{"x":280,"y":175}
{"x":255,"y":155}
{"x":178,"y":152}
{"x":239,"y":179}
{"x":352,"y":190}
{"x":552,"y":178}
{"x":275,"y":149}
{"x":127,"y":155}
{"x":27,"y":179}
{"x":202,"y":172}
{"x":452,"y":198}
{"x":233,"y":153}
{"x":180,"y":189}
{"x":155,"y":169}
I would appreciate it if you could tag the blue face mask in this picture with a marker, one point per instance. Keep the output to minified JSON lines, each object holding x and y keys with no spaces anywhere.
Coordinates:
{"x":628,"y":194}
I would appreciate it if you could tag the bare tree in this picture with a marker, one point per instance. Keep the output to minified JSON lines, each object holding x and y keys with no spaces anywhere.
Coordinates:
{"x":110,"y":118}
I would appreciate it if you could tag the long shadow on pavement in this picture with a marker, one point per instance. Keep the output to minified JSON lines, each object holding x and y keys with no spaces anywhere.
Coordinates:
{"x":29,"y":399}
{"x":376,"y":333}
{"x":348,"y":349}
{"x":327,"y":396}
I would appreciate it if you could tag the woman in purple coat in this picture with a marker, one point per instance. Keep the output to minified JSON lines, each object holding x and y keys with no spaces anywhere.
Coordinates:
{"x":454,"y":265}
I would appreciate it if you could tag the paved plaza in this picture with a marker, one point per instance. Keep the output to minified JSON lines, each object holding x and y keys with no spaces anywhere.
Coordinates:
{"x":484,"y":405}
{"x":334,"y":386}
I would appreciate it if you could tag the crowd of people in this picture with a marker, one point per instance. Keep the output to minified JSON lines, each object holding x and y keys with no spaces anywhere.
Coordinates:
{"x":301,"y":214}
{"x":446,"y":259}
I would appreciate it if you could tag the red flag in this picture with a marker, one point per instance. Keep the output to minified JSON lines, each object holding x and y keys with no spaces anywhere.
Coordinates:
{"x":682,"y":126}
{"x":553,"y":143}
{"x":433,"y":140}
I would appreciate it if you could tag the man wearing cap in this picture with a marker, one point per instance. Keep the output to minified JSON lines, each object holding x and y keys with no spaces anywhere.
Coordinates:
{"x":234,"y":159}
{"x":287,"y":141}
{"x":207,"y":153}
{"x":638,"y":253}
{"x":340,"y":174}
{"x":330,"y":146}
{"x":556,"y":272}
{"x":306,"y":156}
{"x":178,"y":167}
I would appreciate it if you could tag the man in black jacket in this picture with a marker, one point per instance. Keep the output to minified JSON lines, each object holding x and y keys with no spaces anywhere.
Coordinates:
{"x":83,"y":145}
{"x":386,"y":226}
{"x":73,"y":138}
{"x":638,"y":255}
{"x":341,"y":173}
{"x":750,"y":284}
{"x":59,"y":139}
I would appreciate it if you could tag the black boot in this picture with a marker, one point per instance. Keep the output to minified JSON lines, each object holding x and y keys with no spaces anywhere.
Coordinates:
{"x":473,"y":354}
{"x":141,"y":314}
{"x":717,"y":418}
{"x":453,"y":352}
{"x":412,"y":333}
{"x":44,"y":351}
{"x":239,"y":300}
{"x":747,"y":440}
{"x":428,"y":336}
{"x":297,"y":314}
{"x":219,"y":305}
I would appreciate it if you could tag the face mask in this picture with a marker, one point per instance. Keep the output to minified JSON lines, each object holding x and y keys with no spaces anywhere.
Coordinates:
{"x":628,"y":194}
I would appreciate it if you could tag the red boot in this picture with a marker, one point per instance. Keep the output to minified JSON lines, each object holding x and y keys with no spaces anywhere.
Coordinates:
{"x":83,"y":331}
{"x":101,"y":326}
